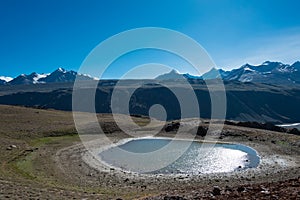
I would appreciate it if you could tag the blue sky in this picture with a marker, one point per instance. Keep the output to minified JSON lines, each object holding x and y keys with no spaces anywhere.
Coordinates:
{"x":42,"y":35}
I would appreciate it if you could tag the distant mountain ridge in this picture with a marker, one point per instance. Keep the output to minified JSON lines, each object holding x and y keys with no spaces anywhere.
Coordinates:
{"x":58,"y":76}
{"x":267,"y":72}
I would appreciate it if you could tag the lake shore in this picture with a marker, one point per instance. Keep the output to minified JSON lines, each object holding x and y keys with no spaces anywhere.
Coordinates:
{"x":277,"y":164}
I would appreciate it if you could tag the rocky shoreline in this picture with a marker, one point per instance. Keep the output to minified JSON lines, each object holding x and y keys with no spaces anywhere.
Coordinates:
{"x":278,"y":163}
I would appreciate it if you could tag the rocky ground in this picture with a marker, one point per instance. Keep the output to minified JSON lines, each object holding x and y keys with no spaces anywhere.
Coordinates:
{"x":42,"y":157}
{"x":289,"y":189}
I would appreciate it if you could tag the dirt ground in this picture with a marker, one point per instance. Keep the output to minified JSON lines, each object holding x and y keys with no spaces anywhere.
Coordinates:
{"x":42,"y":157}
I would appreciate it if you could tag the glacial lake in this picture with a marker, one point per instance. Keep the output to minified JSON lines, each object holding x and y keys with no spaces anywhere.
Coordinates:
{"x":194,"y":157}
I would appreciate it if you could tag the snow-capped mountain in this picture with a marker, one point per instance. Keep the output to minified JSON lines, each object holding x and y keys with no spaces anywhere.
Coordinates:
{"x":4,"y":80}
{"x":61,"y":76}
{"x":24,"y":79}
{"x":58,"y":76}
{"x":268,"y":72}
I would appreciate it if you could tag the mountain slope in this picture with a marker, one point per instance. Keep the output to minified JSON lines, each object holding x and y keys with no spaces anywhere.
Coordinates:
{"x":245,"y":101}
{"x":23,"y":79}
{"x":2,"y":82}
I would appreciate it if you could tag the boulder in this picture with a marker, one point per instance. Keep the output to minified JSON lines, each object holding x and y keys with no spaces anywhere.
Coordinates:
{"x":174,"y":126}
{"x":202,"y":131}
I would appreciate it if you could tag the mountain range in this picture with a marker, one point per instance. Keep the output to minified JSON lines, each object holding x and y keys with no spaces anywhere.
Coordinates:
{"x":58,"y":76}
{"x":267,"y":72}
{"x":265,"y":93}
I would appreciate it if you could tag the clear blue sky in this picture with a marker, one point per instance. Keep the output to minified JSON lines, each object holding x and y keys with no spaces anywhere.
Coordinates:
{"x":42,"y":35}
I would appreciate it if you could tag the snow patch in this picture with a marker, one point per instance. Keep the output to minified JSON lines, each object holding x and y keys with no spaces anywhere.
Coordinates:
{"x":5,"y":78}
{"x":246,"y":79}
{"x":283,"y":70}
{"x":38,"y":77}
{"x":248,"y":69}
{"x":62,"y":70}
{"x":87,"y":75}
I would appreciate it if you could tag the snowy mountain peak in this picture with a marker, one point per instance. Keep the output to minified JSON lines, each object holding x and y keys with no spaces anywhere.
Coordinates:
{"x":61,"y":70}
{"x":267,"y":72}
{"x":5,"y":78}
{"x":38,"y":77}
{"x":57,"y":76}
{"x":62,"y":76}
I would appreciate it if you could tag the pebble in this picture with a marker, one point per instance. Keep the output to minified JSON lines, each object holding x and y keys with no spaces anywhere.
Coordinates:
{"x":240,"y":189}
{"x":216,"y":191}
{"x":265,"y":192}
{"x":144,"y":186}
{"x":8,"y":148}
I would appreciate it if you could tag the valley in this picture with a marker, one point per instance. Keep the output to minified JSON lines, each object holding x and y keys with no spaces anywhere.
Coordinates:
{"x":245,"y":101}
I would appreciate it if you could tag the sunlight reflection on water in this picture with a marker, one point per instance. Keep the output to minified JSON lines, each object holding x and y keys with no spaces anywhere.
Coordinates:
{"x":220,"y":158}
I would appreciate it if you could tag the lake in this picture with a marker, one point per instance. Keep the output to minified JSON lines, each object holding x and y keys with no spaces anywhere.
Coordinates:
{"x":155,"y":156}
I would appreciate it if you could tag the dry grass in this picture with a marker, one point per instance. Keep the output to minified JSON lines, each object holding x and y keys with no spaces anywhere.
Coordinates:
{"x":38,"y":134}
{"x":21,"y":122}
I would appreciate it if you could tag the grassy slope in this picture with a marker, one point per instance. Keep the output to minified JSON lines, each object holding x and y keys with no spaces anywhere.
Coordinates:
{"x":39,"y":134}
{"x":28,"y":129}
